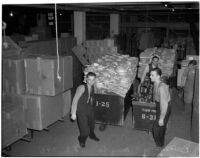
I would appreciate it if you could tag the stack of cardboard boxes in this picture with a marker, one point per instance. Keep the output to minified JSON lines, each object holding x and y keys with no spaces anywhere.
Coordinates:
{"x":36,"y":91}
{"x":48,"y":47}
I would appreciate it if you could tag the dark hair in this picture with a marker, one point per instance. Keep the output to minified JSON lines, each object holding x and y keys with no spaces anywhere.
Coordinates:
{"x":192,"y":62}
{"x":154,"y":57}
{"x":91,"y":74}
{"x":157,"y":70}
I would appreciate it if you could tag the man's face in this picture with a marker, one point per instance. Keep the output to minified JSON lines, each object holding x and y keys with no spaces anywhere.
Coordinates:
{"x":90,"y":80}
{"x":155,"y":61}
{"x":153,"y":76}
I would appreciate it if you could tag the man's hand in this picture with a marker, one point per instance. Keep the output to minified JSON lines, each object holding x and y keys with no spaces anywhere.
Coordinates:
{"x":73,"y":117}
{"x":161,"y":122}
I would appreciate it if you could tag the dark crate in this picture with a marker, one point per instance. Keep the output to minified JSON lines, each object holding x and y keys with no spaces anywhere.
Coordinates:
{"x":109,"y":109}
{"x":144,"y":115}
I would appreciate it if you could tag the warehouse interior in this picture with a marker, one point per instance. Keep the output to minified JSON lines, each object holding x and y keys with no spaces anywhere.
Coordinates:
{"x":47,"y":49}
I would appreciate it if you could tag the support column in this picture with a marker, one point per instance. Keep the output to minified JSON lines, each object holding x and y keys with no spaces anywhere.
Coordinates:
{"x":41,"y":19}
{"x":114,"y":24}
{"x":80,"y":26}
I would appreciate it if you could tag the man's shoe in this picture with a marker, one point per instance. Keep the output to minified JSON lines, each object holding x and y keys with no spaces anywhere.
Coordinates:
{"x":81,"y":142}
{"x":94,"y":137}
{"x":102,"y":127}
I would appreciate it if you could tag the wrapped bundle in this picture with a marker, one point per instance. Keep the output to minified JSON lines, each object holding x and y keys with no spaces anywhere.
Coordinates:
{"x":115,"y":73}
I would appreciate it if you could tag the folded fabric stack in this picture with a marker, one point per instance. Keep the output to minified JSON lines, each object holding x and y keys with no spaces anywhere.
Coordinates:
{"x":115,"y":73}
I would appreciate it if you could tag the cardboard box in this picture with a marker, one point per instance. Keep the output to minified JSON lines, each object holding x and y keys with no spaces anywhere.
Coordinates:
{"x":11,"y":49}
{"x":44,"y":32}
{"x":41,"y":111}
{"x":13,"y":123}
{"x":48,"y":47}
{"x":179,"y":147}
{"x":14,"y":75}
{"x":80,"y":53}
{"x":41,"y":75}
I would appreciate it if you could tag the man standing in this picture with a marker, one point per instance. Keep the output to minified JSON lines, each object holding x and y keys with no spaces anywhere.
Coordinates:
{"x":163,"y":109}
{"x":82,"y":107}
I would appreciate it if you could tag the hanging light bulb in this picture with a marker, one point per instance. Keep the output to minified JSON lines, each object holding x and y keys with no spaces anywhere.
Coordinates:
{"x":11,"y":13}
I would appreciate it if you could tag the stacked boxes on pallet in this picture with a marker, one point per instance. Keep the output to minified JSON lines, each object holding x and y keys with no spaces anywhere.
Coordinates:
{"x":33,"y":97}
{"x":33,"y":80}
{"x":46,"y":93}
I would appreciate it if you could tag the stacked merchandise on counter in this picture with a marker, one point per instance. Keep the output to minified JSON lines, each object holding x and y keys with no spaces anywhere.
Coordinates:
{"x":34,"y":81}
{"x":115,"y":73}
{"x":98,"y":48}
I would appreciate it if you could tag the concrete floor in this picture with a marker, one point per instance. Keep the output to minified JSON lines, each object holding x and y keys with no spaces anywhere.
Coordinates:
{"x":61,"y":140}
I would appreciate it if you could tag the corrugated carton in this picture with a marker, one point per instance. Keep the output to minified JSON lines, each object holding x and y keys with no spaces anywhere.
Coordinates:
{"x":41,"y":111}
{"x":42,"y":75}
{"x":14,"y":75}
{"x":13,"y":123}
{"x":11,"y":49}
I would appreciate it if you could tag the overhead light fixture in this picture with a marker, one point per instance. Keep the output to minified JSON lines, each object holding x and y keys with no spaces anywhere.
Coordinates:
{"x":173,"y":10}
{"x":11,"y":14}
{"x":165,"y":4}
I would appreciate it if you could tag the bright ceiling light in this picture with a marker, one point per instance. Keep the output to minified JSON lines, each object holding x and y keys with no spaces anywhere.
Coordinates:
{"x":11,"y":13}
